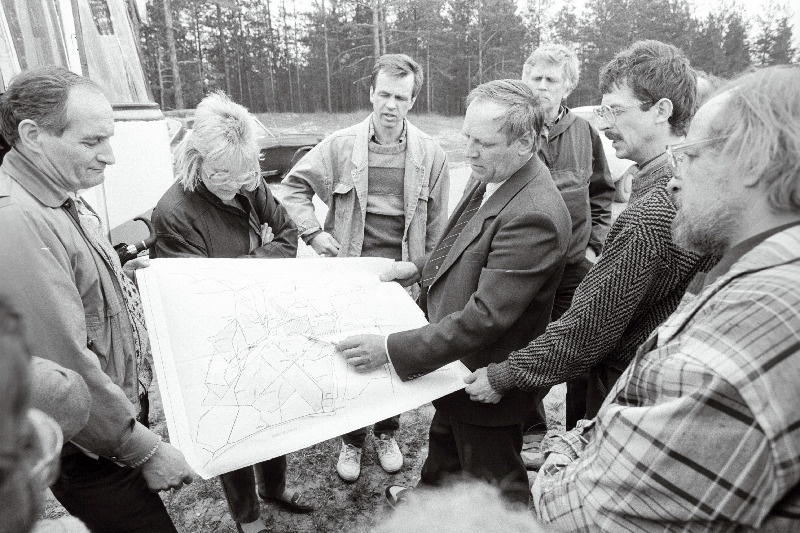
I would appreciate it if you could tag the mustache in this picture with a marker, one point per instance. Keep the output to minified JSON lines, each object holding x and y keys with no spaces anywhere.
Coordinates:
{"x":612,"y":136}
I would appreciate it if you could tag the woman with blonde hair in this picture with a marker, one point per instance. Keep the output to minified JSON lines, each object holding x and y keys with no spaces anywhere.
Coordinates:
{"x":219,"y":206}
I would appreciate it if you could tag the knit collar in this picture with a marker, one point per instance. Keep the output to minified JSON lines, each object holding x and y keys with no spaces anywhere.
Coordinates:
{"x":655,"y":172}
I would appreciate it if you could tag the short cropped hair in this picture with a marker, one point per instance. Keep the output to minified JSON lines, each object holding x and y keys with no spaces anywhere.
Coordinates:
{"x":762,"y":121}
{"x":523,"y":115}
{"x":224,"y":132}
{"x":398,"y":66}
{"x":461,"y":507}
{"x":39,"y":94}
{"x":655,"y":70}
{"x":558,"y":55}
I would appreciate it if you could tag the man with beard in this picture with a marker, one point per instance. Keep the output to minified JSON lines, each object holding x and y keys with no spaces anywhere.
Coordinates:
{"x":648,"y":99}
{"x":701,"y":432}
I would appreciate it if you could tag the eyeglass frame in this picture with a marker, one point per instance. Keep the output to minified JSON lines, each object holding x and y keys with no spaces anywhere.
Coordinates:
{"x":213,"y":176}
{"x":615,"y":111}
{"x":673,"y":151}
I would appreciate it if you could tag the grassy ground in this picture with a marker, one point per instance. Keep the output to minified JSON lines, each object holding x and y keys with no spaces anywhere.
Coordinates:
{"x":201,"y":506}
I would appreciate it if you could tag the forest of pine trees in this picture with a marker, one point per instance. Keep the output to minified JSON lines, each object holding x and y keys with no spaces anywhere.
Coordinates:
{"x":316,"y":55}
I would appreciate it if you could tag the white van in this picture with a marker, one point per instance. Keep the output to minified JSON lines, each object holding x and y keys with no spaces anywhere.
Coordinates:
{"x":96,"y":38}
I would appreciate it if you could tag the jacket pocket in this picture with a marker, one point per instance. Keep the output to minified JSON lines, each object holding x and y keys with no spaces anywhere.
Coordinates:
{"x":343,"y":204}
{"x":95,"y":337}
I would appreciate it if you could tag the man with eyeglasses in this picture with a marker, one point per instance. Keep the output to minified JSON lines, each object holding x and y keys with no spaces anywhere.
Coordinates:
{"x":648,"y":100}
{"x":701,"y":432}
{"x":574,"y":154}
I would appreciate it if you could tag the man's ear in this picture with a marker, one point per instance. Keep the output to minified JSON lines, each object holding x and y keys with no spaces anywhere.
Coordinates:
{"x":663,"y":110}
{"x":30,"y":135}
{"x":526,"y":144}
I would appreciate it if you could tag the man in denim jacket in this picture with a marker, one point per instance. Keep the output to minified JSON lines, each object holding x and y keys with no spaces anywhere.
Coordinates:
{"x":386,"y":186}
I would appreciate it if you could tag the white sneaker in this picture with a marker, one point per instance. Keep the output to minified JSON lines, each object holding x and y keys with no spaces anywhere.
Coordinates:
{"x":349,"y":465}
{"x":389,"y":454}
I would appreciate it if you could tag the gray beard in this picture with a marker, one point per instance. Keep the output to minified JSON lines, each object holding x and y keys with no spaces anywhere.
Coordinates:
{"x":706,"y":233}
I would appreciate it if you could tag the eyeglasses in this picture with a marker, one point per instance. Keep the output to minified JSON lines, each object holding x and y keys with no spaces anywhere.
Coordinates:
{"x":609,"y":114}
{"x":675,"y":154}
{"x":226,"y":177}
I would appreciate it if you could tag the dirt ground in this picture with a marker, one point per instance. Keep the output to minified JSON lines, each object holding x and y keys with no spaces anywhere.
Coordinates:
{"x":357,"y":507}
{"x":340,"y":507}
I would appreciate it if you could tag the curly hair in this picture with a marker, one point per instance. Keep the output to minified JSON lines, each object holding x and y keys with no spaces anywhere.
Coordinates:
{"x":655,"y":70}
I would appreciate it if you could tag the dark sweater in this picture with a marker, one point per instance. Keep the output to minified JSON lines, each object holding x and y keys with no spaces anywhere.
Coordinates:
{"x":637,"y":283}
{"x":574,"y":155}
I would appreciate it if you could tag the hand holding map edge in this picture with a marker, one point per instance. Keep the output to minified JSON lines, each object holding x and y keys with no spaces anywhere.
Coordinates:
{"x":405,"y":273}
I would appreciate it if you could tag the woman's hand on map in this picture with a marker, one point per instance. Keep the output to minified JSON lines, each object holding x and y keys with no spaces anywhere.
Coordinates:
{"x":364,"y":352}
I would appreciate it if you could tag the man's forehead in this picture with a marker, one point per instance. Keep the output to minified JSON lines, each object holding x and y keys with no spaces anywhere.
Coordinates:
{"x":88,"y":109}
{"x":396,"y":83}
{"x":549,"y":68}
{"x":485,"y":111}
{"x":620,"y":94}
{"x":705,"y":117}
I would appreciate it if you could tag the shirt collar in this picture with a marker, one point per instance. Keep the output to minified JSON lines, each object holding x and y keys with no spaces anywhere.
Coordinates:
{"x":374,"y":139}
{"x":733,"y":255}
{"x":37,"y":181}
{"x":547,"y":126}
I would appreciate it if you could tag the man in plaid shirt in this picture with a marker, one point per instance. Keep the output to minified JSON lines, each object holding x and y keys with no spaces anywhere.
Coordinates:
{"x":702,"y":431}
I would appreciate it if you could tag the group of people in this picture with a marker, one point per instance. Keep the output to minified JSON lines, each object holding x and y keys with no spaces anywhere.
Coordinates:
{"x":676,"y":328}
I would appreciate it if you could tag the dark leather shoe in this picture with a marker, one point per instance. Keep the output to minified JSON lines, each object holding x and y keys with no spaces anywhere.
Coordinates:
{"x":296,"y":504}
{"x":396,"y":494}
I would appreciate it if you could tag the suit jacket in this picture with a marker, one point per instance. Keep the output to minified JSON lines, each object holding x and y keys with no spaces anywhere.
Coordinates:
{"x":494,"y":291}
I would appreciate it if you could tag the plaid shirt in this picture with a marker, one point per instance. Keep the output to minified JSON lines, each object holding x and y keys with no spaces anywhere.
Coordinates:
{"x":702,"y":431}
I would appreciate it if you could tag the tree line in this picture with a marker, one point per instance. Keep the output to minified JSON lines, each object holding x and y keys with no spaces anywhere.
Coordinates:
{"x":271,"y":56}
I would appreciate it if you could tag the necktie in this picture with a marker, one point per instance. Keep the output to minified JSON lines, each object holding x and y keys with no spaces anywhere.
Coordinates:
{"x":443,"y":248}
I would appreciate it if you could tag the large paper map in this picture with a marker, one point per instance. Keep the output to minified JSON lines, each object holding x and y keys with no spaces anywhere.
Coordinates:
{"x":245,"y":359}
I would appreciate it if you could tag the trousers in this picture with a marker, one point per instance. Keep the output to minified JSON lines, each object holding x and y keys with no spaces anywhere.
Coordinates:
{"x":239,"y":487}
{"x":458,"y":449}
{"x":109,"y":497}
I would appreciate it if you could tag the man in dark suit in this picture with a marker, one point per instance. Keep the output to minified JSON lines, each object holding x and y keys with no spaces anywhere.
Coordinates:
{"x":487,"y":288}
